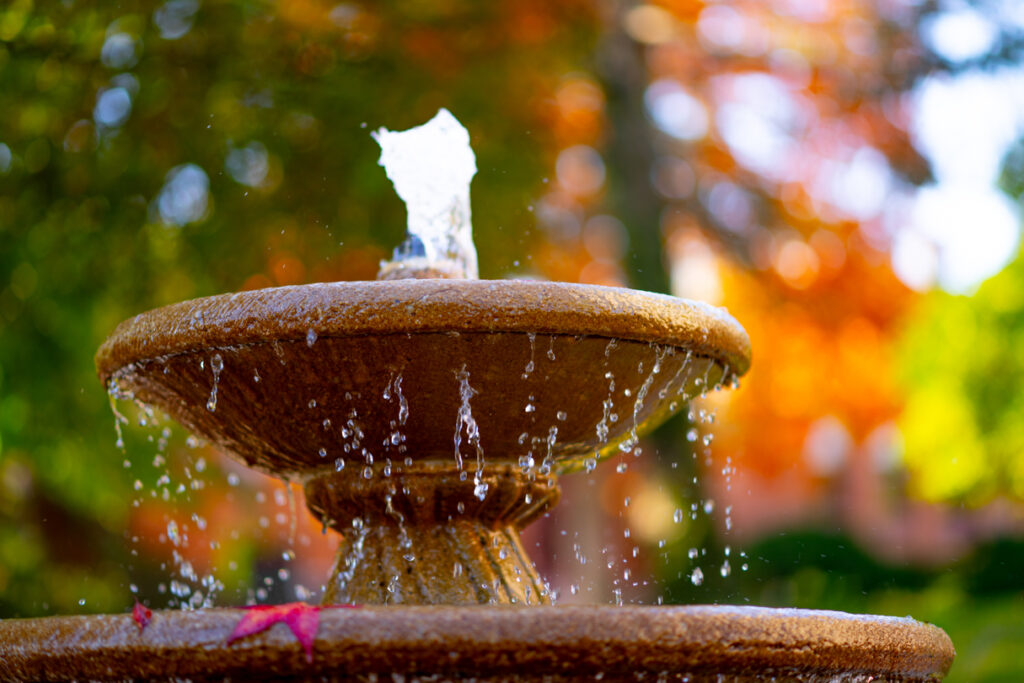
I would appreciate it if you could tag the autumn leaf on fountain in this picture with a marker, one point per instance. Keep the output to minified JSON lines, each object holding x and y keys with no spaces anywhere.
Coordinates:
{"x":302,"y":619}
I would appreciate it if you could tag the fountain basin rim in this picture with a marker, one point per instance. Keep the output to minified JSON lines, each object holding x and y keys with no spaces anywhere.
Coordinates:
{"x":345,"y":309}
{"x":569,"y":641}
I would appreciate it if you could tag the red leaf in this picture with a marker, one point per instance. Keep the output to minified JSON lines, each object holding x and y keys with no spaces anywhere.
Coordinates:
{"x":141,"y":614}
{"x":302,"y":619}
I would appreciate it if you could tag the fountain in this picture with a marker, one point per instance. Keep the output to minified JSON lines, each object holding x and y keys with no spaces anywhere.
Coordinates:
{"x":428,"y":416}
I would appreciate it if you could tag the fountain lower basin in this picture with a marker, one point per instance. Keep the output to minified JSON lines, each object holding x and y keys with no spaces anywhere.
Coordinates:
{"x":692,"y":643}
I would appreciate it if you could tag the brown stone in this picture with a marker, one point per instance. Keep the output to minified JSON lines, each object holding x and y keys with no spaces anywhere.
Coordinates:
{"x":694,"y":643}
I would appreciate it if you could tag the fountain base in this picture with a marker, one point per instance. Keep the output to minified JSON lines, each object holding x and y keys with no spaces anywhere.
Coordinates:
{"x":431,"y":534}
{"x":691,"y":643}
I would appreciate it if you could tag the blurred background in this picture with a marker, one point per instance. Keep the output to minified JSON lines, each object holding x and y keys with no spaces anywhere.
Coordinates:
{"x":845,"y":177}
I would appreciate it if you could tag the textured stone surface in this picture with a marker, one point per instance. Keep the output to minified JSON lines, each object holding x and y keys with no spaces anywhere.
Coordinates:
{"x":486,"y":643}
{"x":323,"y":352}
{"x":431,"y":305}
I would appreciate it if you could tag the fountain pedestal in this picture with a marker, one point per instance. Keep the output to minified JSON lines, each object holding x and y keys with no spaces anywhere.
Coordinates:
{"x":427,"y":534}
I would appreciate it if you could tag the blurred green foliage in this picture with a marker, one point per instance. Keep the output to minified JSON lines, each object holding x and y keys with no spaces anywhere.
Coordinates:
{"x":964,"y":373}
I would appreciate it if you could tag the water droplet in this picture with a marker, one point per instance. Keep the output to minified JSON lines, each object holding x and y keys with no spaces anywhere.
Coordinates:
{"x":172,"y":533}
{"x":322,"y":452}
{"x":692,"y":435}
{"x":697,"y":577}
{"x":561,"y":415}
{"x":529,"y":369}
{"x":310,"y":337}
{"x":312,"y":403}
{"x":216,"y":364}
{"x":677,"y":516}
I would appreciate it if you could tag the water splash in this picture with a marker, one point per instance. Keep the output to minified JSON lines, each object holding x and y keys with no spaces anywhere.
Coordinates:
{"x":465,"y":422}
{"x":532,"y":336}
{"x":403,"y":404}
{"x":404,"y":540}
{"x":216,"y":365}
{"x":114,"y":393}
{"x":549,"y":456}
{"x":350,"y":555}
{"x":660,"y":353}
{"x":697,"y":576}
{"x":431,"y":167}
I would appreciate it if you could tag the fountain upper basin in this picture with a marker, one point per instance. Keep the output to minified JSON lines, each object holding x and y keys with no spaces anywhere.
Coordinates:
{"x":548,"y":370}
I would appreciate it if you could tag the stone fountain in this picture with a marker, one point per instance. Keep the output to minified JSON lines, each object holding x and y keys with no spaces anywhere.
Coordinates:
{"x":428,"y":416}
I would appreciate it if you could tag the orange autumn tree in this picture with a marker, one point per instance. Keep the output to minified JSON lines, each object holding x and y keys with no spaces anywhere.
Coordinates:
{"x":763,"y":147}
